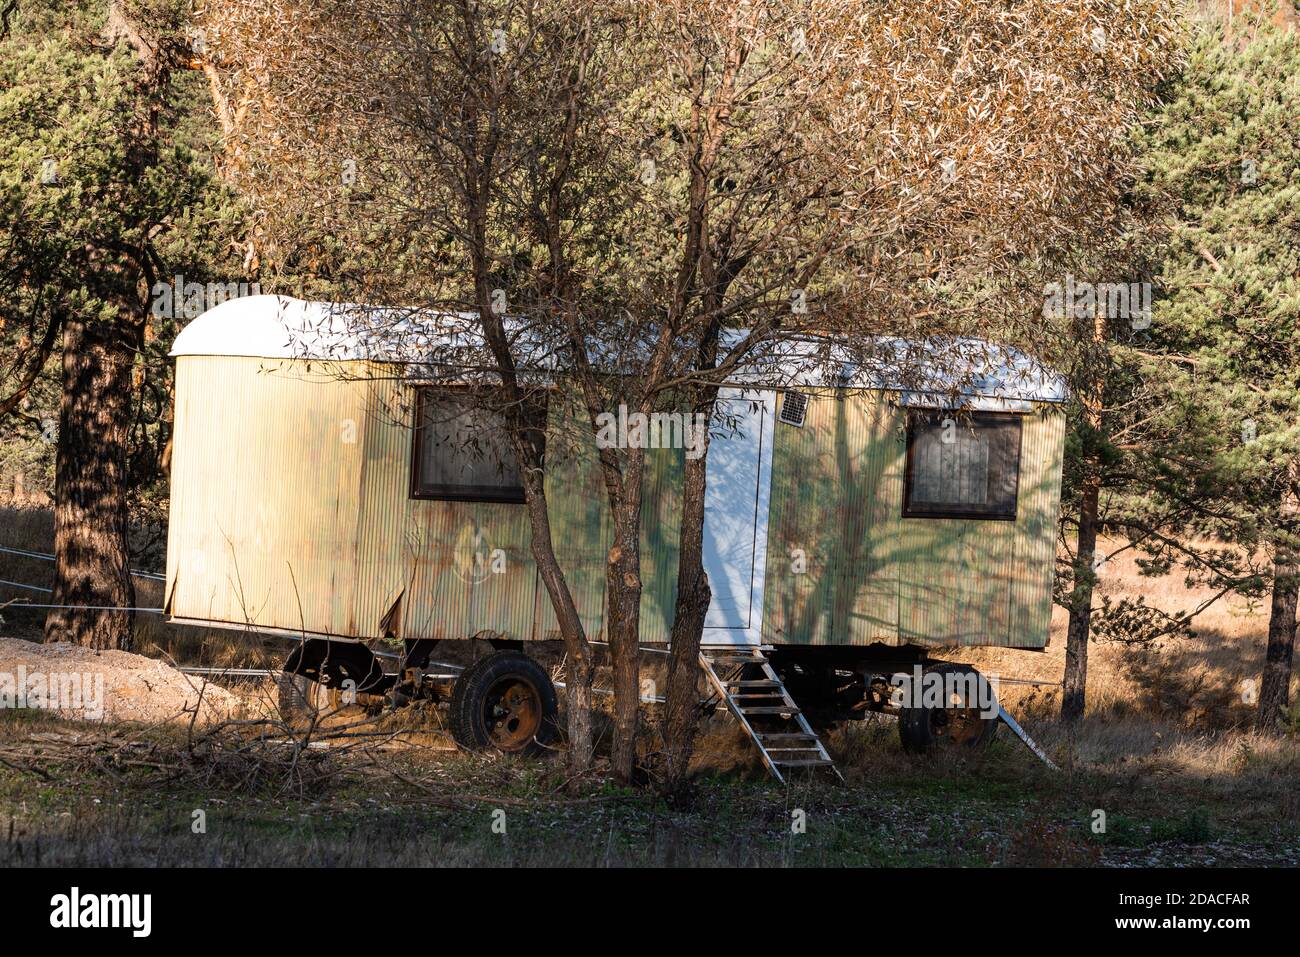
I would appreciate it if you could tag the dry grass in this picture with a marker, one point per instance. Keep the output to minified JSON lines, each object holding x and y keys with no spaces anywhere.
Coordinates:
{"x":1197,"y":682}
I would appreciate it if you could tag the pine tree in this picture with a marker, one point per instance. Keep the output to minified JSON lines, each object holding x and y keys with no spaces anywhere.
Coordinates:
{"x":1225,"y":151}
{"x":100,"y":199}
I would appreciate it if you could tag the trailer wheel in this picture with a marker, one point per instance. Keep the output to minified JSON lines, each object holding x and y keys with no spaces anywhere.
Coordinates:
{"x":961,"y":723}
{"x":300,"y":697}
{"x":504,"y":702}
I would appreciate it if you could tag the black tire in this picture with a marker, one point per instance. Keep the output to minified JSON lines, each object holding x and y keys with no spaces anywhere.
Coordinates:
{"x":504,"y":702}
{"x":300,"y":697}
{"x":292,"y":695}
{"x":923,"y":728}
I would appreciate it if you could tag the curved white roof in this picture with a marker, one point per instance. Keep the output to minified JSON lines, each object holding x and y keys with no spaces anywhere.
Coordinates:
{"x":966,"y":372}
{"x":279,"y":327}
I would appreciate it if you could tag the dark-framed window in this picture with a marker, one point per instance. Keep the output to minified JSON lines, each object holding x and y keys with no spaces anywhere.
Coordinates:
{"x":462,"y":450}
{"x":962,"y":465}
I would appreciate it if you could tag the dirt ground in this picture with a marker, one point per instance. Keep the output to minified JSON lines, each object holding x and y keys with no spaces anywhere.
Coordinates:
{"x":1202,"y":682}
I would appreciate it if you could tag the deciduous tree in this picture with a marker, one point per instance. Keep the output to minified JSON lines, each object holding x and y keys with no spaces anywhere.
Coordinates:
{"x":664,"y":193}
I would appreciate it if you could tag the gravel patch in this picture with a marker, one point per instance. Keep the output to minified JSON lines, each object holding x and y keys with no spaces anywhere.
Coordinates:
{"x":80,"y":683}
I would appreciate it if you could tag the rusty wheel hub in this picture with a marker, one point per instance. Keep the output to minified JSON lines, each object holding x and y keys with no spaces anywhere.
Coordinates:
{"x":512,"y":713}
{"x":960,"y":726}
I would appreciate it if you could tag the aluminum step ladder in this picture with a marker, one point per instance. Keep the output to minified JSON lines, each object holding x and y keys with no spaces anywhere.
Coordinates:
{"x":766,"y":699}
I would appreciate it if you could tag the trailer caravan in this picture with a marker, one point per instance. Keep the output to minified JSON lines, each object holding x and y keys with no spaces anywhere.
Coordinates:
{"x":851,"y":527}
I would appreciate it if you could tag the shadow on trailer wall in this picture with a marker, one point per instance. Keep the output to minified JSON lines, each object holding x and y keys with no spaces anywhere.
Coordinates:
{"x":846,"y":567}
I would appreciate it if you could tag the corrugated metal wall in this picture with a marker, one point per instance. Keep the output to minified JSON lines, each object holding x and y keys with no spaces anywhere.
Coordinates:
{"x":290,"y":508}
{"x":460,"y":568}
{"x":1034,"y":561}
{"x":844,"y":566}
{"x":266,"y":480}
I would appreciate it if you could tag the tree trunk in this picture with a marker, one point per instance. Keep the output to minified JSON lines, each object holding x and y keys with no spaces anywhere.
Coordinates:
{"x":693,"y":596}
{"x":623,"y":581}
{"x":92,"y":564}
{"x":529,"y":452}
{"x":577,"y":648}
{"x":578,"y":710}
{"x":1076,"y":641}
{"x":1092,"y":397}
{"x":1275,"y":686}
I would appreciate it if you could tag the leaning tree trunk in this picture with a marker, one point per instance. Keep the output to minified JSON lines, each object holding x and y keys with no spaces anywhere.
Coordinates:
{"x":92,"y":566}
{"x":693,"y":595}
{"x":529,"y":451}
{"x":580,"y":669}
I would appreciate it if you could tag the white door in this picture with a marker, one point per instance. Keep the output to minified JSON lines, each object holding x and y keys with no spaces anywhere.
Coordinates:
{"x":736,"y":500}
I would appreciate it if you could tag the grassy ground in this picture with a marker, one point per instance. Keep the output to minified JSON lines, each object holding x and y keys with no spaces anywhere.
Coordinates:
{"x":1164,"y":754}
{"x":117,"y":796}
{"x":113,"y":797}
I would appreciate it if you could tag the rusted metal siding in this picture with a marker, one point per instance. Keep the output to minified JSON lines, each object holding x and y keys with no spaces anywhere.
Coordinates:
{"x":868,"y":574}
{"x":459,"y":568}
{"x":290,"y":508}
